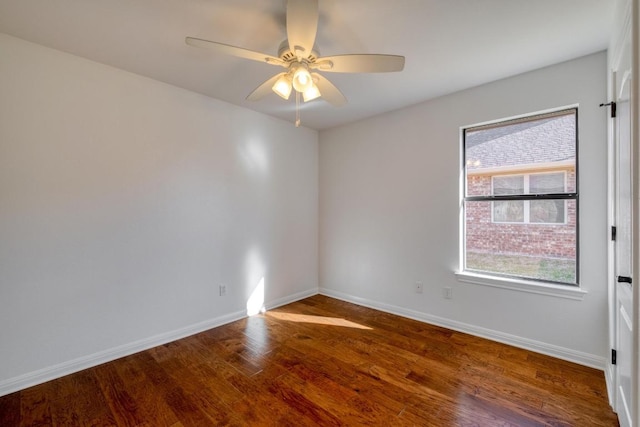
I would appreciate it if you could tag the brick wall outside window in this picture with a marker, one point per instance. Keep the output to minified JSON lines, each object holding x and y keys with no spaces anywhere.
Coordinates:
{"x":541,"y":240}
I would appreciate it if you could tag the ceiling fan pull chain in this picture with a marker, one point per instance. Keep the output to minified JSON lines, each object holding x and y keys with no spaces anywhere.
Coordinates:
{"x":297,"y":109}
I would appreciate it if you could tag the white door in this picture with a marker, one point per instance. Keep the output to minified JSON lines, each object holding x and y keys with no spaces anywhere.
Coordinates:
{"x":624,"y":239}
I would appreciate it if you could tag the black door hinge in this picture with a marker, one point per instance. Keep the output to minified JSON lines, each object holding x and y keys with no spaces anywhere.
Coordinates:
{"x":613,"y":108}
{"x":614,"y":356}
{"x":614,"y":232}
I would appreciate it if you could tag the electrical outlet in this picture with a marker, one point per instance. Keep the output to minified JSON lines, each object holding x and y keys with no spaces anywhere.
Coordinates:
{"x":418,"y":287}
{"x":223,"y":290}
{"x":447,"y":293}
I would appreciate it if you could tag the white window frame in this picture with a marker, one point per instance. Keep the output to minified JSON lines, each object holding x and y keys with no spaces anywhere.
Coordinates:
{"x":512,"y":282}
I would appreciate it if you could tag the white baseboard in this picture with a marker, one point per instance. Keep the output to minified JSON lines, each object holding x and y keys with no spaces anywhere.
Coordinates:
{"x":52,"y":372}
{"x":563,"y":353}
{"x":291,"y":298}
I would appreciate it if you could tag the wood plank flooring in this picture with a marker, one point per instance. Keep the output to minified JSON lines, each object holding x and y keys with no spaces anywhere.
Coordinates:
{"x":321,"y":362}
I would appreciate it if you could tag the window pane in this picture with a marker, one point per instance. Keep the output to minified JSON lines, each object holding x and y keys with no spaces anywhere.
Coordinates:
{"x":531,"y":251}
{"x":546,"y":211}
{"x":508,"y":185}
{"x":545,"y":183}
{"x":526,"y":238}
{"x":508,"y":211}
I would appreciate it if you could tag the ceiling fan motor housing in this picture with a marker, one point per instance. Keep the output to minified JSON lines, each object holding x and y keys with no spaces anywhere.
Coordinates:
{"x":284,"y":53}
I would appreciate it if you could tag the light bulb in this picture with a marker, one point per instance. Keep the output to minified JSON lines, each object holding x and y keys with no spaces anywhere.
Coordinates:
{"x":282,"y":86}
{"x":302,"y":79}
{"x":312,"y":93}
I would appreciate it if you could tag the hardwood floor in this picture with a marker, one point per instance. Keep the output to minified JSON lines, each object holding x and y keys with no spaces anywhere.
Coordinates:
{"x":320,"y":362}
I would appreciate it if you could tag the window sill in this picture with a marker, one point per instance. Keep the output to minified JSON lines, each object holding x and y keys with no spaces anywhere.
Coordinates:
{"x":560,"y":291}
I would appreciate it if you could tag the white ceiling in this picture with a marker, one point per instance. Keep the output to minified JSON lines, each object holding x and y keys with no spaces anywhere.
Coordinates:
{"x":449,"y":45}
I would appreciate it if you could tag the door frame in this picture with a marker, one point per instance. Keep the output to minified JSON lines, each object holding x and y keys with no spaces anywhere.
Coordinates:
{"x":635,"y":171}
{"x":627,"y":19}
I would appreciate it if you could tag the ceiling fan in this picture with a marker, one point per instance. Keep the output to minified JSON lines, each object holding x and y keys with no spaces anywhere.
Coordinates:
{"x":302,"y":61}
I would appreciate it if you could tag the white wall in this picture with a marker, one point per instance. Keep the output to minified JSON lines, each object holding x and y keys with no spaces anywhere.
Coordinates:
{"x":389,"y":209}
{"x":125,"y":203}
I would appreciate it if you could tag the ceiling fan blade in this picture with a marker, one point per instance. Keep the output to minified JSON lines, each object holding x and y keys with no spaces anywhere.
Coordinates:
{"x":264,"y":89}
{"x":227,"y":49}
{"x":328,"y":91}
{"x":360,"y":63}
{"x":302,"y":26}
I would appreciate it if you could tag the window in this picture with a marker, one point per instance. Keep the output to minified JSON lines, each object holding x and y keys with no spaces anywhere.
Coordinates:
{"x":521,"y":198}
{"x":529,"y":211}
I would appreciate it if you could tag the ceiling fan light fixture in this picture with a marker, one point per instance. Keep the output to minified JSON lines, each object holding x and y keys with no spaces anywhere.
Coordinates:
{"x":312,"y":93}
{"x":302,"y":78}
{"x":282,"y":86}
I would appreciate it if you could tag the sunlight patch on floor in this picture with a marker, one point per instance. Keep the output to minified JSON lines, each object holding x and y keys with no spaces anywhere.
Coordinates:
{"x":319,"y":320}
